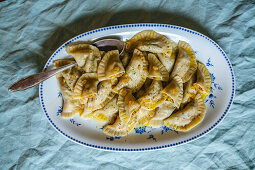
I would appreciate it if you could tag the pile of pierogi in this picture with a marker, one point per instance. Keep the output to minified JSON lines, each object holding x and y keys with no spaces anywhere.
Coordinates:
{"x":154,"y":82}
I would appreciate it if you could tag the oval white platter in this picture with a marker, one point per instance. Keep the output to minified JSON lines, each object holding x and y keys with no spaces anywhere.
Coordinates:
{"x":89,"y":132}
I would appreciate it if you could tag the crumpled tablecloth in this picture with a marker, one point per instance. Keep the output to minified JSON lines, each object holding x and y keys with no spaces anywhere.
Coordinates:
{"x":30,"y":31}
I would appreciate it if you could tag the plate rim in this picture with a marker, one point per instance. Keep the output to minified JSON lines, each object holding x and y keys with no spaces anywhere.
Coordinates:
{"x":146,"y":148}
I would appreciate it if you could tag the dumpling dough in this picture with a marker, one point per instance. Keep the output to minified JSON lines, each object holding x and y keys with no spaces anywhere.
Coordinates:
{"x":144,"y":116}
{"x":204,"y":80}
{"x":71,"y":75}
{"x":118,"y":128}
{"x":174,"y":91}
{"x":62,"y":62}
{"x":156,"y":69}
{"x":125,"y":58}
{"x":86,"y":86}
{"x":71,"y":107}
{"x":188,"y":91}
{"x":108,"y":112}
{"x":185,"y":119}
{"x":150,"y":41}
{"x":110,"y":66}
{"x":168,"y":59}
{"x":143,"y":89}
{"x":87,"y":56}
{"x":153,"y":96}
{"x":185,"y":65}
{"x":136,"y":73}
{"x":103,"y":96}
{"x":127,"y":105}
{"x":153,"y":42}
{"x":162,"y":112}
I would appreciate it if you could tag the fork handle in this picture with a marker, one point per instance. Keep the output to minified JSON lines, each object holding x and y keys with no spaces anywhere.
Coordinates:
{"x":35,"y":79}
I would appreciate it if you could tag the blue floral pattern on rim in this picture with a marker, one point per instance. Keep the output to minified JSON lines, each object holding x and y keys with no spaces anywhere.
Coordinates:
{"x":215,"y":86}
{"x":140,"y":25}
{"x":74,"y":122}
{"x":60,"y":108}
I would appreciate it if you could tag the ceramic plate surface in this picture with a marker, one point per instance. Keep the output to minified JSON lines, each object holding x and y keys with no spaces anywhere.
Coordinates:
{"x":89,"y":132}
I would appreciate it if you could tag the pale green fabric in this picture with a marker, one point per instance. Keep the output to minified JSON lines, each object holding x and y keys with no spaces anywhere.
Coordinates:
{"x":30,"y":31}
